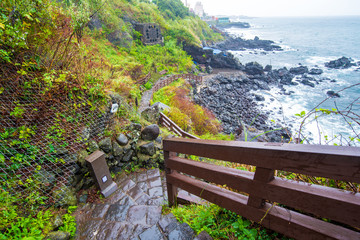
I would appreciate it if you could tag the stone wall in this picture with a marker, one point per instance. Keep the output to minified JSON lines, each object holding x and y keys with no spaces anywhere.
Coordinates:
{"x":151,"y":33}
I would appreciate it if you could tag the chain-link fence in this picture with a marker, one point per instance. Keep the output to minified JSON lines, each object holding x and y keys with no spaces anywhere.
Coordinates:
{"x":42,"y":132}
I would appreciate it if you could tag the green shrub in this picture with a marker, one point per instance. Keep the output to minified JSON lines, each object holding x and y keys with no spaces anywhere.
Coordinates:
{"x":17,"y":224}
{"x":69,"y":221}
{"x":221,"y":223}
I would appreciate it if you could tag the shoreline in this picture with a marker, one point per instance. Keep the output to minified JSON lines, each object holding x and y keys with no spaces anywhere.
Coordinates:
{"x":293,"y":89}
{"x":236,"y":96}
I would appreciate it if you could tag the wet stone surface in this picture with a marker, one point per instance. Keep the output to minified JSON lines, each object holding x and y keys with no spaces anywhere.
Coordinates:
{"x":132,"y":212}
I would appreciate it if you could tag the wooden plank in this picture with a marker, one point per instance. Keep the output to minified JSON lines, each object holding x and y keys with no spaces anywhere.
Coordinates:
{"x":178,"y":130}
{"x":339,"y":163}
{"x":288,"y":222}
{"x":171,"y":189}
{"x":262,"y":175}
{"x":335,"y":204}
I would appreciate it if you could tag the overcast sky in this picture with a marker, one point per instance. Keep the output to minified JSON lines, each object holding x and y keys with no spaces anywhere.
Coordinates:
{"x":256,"y":8}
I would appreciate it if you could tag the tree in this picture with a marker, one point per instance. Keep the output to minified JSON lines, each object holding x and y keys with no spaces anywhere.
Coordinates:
{"x":172,"y":8}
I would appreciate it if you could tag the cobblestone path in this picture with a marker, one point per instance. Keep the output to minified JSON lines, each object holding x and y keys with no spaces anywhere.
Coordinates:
{"x":132,"y":212}
{"x":145,"y":100}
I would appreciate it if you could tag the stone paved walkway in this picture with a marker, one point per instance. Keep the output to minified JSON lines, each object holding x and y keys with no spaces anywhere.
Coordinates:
{"x":145,"y":100}
{"x":132,"y":212}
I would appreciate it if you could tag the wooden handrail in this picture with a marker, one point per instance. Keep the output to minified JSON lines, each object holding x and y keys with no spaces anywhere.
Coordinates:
{"x":172,"y":78}
{"x":144,"y":80}
{"x":341,"y":163}
{"x":164,"y":120}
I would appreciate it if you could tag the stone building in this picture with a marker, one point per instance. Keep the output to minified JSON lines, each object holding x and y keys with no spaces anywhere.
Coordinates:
{"x":199,"y":9}
{"x":151,"y":33}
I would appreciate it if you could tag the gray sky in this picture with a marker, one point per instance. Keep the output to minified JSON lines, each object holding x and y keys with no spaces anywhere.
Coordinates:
{"x":280,"y":7}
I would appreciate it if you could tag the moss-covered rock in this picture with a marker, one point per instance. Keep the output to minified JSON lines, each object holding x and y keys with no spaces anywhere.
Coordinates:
{"x":92,"y":146}
{"x":58,"y":235}
{"x":105,"y":145}
{"x":81,"y":156}
{"x":65,"y":196}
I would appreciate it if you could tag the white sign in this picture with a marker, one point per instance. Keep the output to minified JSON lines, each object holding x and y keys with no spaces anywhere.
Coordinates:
{"x":104,"y":179}
{"x":114,"y":108}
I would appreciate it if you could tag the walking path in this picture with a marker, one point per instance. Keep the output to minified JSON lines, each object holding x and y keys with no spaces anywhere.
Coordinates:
{"x":145,"y":100}
{"x":133,"y":212}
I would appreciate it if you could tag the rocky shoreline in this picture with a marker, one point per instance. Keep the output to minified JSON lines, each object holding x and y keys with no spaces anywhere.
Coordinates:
{"x":239,"y":44}
{"x":233,"y":97}
{"x":225,"y":59}
{"x":228,"y":96}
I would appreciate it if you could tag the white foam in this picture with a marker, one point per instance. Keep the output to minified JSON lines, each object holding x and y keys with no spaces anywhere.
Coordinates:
{"x":285,"y":107}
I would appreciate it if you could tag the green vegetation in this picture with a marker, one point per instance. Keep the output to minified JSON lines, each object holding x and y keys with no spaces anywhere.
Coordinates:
{"x":187,"y":115}
{"x":23,"y":220}
{"x":69,"y":222}
{"x":173,"y":9}
{"x":51,"y":58}
{"x":221,"y":223}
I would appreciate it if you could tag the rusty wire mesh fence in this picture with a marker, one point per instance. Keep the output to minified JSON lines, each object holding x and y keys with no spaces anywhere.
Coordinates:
{"x":41,"y":134}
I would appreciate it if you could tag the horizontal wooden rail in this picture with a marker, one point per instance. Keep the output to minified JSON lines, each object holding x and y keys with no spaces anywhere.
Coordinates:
{"x":339,"y":163}
{"x":163,"y":72}
{"x":168,"y":80}
{"x":164,"y":120}
{"x":261,"y":187}
{"x":144,"y":80}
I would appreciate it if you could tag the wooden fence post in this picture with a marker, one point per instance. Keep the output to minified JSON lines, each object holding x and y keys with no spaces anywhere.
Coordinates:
{"x":171,"y":189}
{"x":263,"y":175}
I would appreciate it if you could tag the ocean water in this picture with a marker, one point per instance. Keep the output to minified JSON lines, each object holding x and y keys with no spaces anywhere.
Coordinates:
{"x":311,"y":42}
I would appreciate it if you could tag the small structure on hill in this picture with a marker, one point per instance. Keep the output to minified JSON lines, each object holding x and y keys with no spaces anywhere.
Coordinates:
{"x":151,"y":33}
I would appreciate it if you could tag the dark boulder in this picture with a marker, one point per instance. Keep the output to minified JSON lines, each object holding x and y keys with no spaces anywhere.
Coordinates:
{"x":148,"y":149}
{"x":151,"y":114}
{"x":268,"y":68}
{"x":225,"y":60}
{"x":117,"y":150}
{"x":333,"y":94}
{"x":128,"y":156}
{"x":307,"y":82}
{"x":299,"y":70}
{"x":122,"y":139}
{"x":341,"y":63}
{"x":285,"y":76}
{"x":254,"y":68}
{"x":207,"y":57}
{"x":106,"y":145}
{"x":316,"y":71}
{"x":259,"y":98}
{"x":150,"y":133}
{"x":199,"y":55}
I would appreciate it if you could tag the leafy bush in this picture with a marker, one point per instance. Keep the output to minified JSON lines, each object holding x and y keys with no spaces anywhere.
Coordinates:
{"x":69,"y":221}
{"x":15,"y":224}
{"x":172,"y":8}
{"x":201,"y":121}
{"x":181,"y":119}
{"x":221,"y":223}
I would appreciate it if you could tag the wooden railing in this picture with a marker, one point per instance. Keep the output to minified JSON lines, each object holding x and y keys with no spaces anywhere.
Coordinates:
{"x":144,"y":80}
{"x":165,"y":121}
{"x":262,"y":192}
{"x":163,"y":72}
{"x":172,"y":78}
